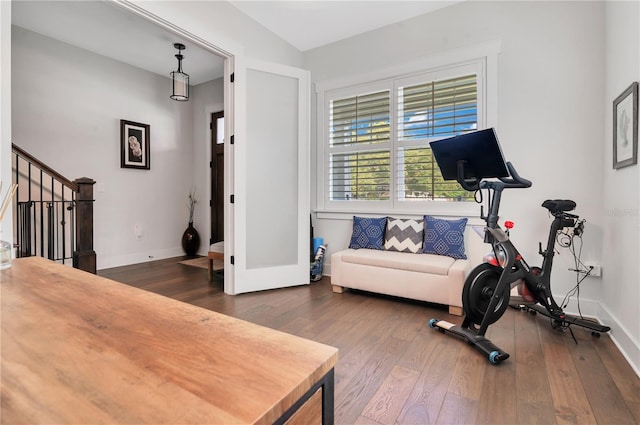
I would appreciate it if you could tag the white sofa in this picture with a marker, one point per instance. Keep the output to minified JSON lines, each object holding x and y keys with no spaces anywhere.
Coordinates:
{"x":425,"y":277}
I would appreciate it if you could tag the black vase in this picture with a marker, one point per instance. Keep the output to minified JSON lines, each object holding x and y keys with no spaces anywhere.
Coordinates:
{"x":190,"y":240}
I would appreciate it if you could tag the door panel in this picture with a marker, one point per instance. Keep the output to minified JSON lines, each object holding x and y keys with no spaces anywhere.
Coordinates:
{"x":272,"y":172}
{"x":271,"y":176}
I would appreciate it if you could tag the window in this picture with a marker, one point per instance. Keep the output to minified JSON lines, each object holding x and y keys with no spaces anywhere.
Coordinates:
{"x":377,"y":137}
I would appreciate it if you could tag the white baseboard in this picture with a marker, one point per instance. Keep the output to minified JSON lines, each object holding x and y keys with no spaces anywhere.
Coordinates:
{"x":136,"y":258}
{"x":326,"y":269}
{"x":622,"y":338}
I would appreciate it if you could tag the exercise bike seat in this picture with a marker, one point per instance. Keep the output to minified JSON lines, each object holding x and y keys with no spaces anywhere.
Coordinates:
{"x":556,"y":206}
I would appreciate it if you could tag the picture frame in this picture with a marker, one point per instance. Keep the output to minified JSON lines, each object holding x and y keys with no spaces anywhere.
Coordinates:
{"x":134,"y":145}
{"x":625,"y":128}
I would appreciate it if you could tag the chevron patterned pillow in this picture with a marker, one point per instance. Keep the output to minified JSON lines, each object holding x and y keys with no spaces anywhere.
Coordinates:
{"x":404,"y":235}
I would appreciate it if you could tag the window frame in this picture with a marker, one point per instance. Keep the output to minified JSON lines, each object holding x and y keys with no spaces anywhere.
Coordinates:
{"x":481,"y":58}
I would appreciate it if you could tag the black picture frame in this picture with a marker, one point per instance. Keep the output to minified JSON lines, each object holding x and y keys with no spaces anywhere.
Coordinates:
{"x":134,"y":145}
{"x":625,"y":128}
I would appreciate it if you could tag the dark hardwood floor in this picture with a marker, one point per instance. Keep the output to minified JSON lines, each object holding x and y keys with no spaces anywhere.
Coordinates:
{"x":393,"y":368}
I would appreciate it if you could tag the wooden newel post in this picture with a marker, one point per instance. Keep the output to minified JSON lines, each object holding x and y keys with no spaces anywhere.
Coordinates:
{"x":84,"y":257}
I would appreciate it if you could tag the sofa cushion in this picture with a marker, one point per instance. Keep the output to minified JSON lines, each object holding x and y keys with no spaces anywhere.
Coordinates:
{"x":368,"y":232}
{"x":424,"y":263}
{"x":444,"y":237}
{"x":404,"y":235}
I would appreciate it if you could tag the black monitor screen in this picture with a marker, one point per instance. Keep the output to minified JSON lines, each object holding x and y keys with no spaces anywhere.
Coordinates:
{"x":480,"y":150}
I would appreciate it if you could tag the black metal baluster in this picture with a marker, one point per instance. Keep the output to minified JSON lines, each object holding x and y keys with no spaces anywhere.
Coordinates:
{"x":64,"y":229}
{"x":72,"y":224}
{"x":50,"y":226}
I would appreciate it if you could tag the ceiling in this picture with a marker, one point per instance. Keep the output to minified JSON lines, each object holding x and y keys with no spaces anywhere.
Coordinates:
{"x":307,"y":24}
{"x":107,"y":29}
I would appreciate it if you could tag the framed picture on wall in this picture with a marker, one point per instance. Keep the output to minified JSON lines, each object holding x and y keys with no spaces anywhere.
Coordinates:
{"x":625,"y":127}
{"x":134,"y":145}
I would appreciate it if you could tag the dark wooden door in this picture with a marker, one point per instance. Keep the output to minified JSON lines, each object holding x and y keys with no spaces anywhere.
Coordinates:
{"x":217,"y":177}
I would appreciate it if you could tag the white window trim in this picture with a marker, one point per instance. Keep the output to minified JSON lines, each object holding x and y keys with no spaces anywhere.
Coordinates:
{"x":487,"y":52}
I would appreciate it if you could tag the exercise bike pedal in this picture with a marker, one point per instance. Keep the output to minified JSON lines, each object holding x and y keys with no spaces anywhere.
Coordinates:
{"x":481,"y":343}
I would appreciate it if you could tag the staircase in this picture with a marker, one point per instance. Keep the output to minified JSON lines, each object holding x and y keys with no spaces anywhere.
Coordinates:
{"x":53,"y":216}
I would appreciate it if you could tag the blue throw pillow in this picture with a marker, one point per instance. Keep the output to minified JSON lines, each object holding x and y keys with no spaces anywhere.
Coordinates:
{"x":444,"y":237}
{"x":368,"y":232}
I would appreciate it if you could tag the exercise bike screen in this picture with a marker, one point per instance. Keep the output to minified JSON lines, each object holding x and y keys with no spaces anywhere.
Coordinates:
{"x":480,"y":150}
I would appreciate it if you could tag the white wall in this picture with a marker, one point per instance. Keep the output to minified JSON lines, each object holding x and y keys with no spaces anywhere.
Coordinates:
{"x":67,"y":107}
{"x":549,"y":109}
{"x":621,"y":288}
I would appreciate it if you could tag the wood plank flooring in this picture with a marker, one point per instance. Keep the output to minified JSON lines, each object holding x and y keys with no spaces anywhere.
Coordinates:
{"x":394,"y":369}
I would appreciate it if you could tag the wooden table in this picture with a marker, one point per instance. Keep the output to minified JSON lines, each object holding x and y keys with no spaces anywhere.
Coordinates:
{"x":79,"y":348}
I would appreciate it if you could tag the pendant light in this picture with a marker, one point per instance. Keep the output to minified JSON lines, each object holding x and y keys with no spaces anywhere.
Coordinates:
{"x":179,"y":79}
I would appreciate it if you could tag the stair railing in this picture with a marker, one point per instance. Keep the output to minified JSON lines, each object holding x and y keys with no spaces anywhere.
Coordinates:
{"x":53,"y":216}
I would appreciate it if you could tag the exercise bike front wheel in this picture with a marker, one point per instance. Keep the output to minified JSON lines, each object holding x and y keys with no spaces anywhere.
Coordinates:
{"x":479,"y":288}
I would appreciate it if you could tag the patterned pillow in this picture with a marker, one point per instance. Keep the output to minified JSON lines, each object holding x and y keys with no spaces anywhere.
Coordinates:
{"x":368,"y":232}
{"x":444,"y":237}
{"x":404,"y":235}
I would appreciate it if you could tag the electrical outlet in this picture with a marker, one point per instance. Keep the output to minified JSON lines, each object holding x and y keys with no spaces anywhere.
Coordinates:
{"x":137,"y":230}
{"x":596,"y":269}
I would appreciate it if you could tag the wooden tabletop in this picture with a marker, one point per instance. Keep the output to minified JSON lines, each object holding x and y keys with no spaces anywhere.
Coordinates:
{"x":79,"y":348}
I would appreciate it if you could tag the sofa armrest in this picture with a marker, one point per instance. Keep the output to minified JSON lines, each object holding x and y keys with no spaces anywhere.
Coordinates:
{"x":336,"y":266}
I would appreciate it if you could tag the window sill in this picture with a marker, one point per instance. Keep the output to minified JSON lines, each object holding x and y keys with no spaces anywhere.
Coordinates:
{"x":470,"y":210}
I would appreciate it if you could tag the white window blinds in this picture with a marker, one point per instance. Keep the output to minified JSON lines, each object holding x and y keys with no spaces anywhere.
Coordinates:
{"x":438,"y":109}
{"x":358,"y":126}
{"x":360,"y":119}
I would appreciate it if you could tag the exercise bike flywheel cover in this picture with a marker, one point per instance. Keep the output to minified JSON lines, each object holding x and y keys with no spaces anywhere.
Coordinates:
{"x":478,"y":290}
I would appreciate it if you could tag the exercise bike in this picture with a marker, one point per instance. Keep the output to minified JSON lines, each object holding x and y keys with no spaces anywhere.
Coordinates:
{"x":471,"y":159}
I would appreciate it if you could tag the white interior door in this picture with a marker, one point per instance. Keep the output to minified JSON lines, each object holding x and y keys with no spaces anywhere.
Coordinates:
{"x":270,"y":178}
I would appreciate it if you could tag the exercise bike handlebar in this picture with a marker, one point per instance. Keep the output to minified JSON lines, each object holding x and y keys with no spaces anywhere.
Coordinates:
{"x":515,"y":181}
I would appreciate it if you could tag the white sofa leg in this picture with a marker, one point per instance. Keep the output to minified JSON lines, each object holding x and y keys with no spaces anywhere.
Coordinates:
{"x":338,"y":289}
{"x":455,"y":310}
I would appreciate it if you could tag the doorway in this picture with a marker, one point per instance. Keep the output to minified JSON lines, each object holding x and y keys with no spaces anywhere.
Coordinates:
{"x":217,"y":177}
